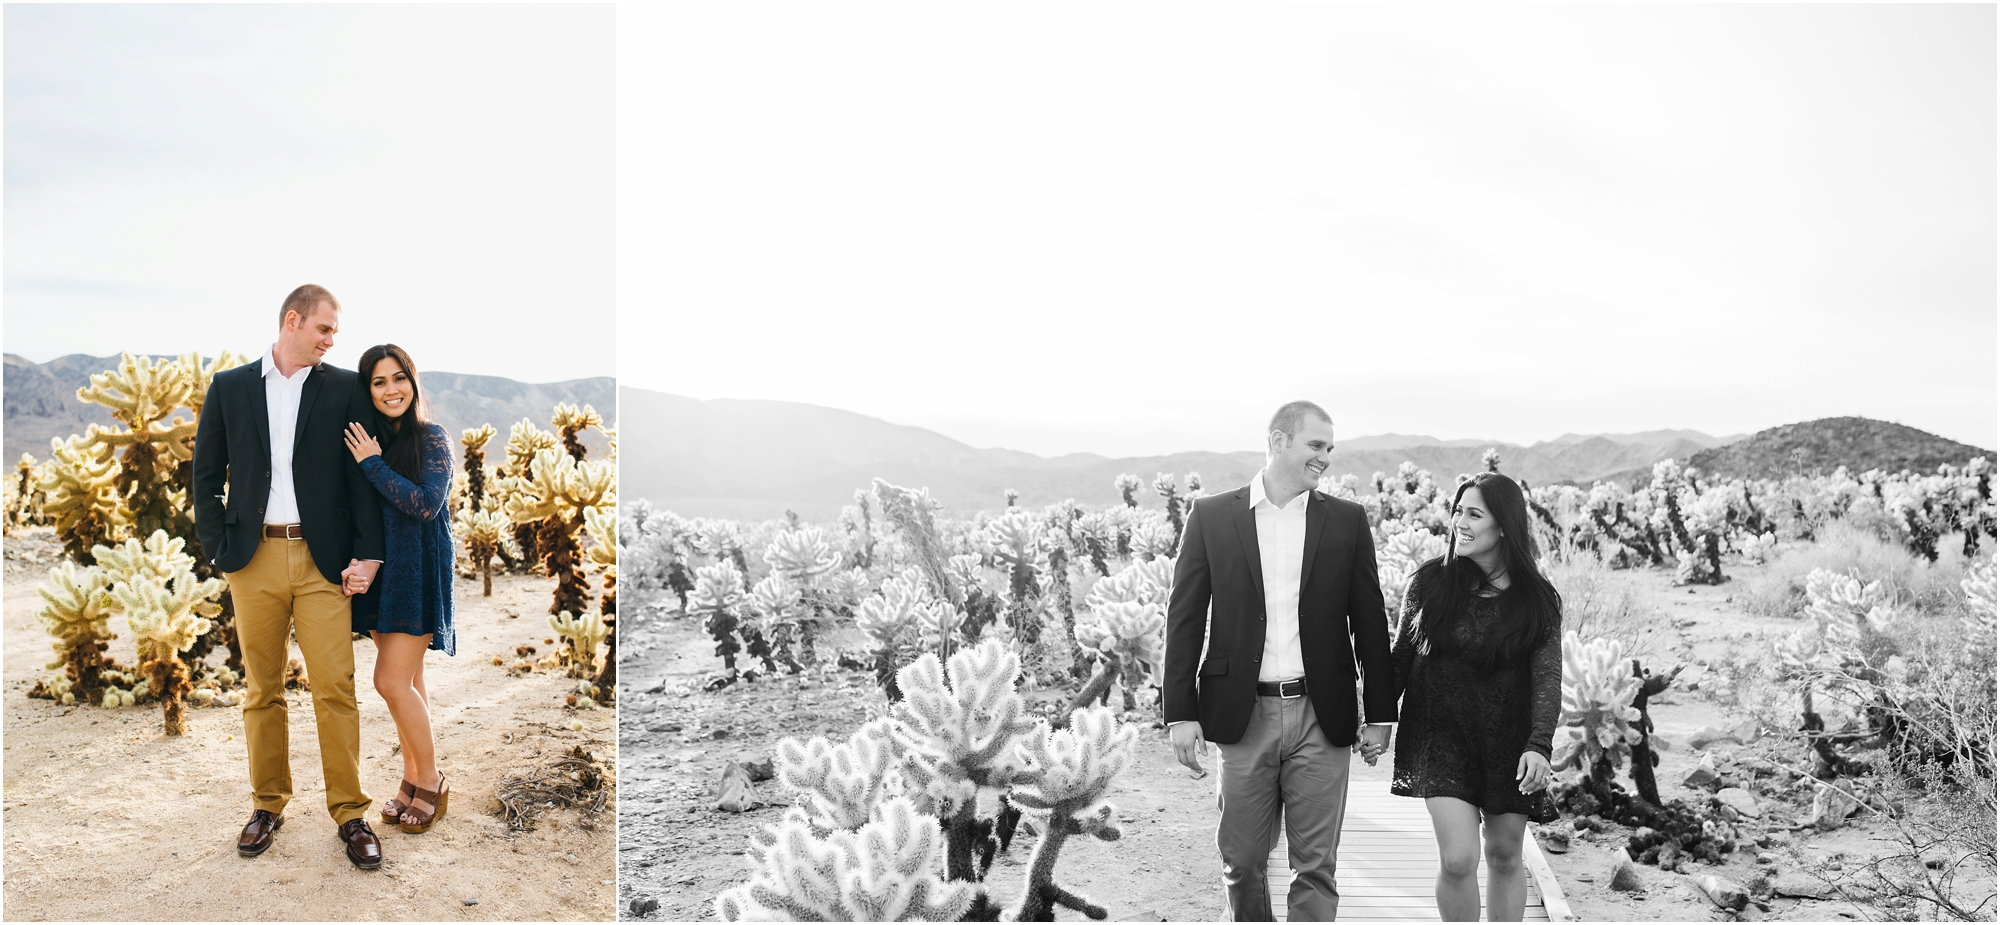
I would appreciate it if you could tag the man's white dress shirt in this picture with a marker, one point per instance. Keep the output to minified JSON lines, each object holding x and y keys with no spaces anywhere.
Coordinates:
{"x":1281,"y":549}
{"x":281,"y":400}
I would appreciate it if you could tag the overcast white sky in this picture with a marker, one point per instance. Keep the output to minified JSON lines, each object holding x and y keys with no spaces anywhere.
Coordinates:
{"x":1137,"y":228}
{"x":447,"y":171}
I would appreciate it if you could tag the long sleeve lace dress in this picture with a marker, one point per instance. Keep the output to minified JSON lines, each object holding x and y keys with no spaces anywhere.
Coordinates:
{"x":412,"y":592}
{"x":1461,"y":735}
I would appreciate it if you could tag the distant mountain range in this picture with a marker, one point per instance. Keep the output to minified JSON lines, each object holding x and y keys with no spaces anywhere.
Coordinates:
{"x":757,"y":459}
{"x":41,"y":403}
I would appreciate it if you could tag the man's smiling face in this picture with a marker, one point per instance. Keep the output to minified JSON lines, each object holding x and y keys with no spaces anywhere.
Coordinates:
{"x":1296,"y":463}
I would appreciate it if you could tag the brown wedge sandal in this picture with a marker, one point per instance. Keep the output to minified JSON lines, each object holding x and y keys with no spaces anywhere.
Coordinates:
{"x":437,"y":800}
{"x":399,"y":804}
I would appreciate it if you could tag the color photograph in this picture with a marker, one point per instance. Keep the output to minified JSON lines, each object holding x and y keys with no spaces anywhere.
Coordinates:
{"x":310,"y":522}
{"x":1208,"y":462}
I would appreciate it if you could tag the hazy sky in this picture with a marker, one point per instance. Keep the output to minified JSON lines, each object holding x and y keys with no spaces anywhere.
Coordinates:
{"x":447,"y":171}
{"x":1138,"y":228}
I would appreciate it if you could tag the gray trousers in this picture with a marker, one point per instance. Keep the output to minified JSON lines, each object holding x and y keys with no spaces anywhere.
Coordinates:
{"x":1282,"y":762}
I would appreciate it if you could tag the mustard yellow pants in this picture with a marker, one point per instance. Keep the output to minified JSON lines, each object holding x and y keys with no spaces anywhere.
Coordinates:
{"x":279,"y":591}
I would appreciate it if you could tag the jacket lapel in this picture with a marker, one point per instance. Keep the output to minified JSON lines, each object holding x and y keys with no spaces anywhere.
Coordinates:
{"x":1315,"y":524}
{"x":311,"y":388}
{"x":261,"y":408}
{"x":1246,"y":533}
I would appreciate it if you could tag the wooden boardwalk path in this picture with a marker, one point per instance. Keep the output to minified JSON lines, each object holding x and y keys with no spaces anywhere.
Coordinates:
{"x":1387,"y":868}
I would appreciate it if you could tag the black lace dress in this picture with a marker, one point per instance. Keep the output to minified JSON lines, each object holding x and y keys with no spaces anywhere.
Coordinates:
{"x":1462,"y":736}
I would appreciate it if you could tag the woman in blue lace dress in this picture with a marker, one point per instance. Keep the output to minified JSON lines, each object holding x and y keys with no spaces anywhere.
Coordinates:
{"x":1478,"y":656}
{"x":408,"y":609}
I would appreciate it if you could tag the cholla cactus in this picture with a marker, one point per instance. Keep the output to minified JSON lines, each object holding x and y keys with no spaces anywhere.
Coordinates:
{"x":1128,"y":488}
{"x":901,"y":618}
{"x":553,"y":498}
{"x":1154,"y":539}
{"x":1148,"y":582}
{"x":1598,"y":715}
{"x":76,"y":602}
{"x":1163,"y":484}
{"x":803,"y":554}
{"x":1841,"y":612}
{"x":1127,"y":639}
{"x":884,"y":872}
{"x":1070,"y":771}
{"x":718,"y":598}
{"x":1016,"y":540}
{"x":480,"y":534}
{"x":24,"y":498}
{"x":1490,"y":460}
{"x":960,"y":737}
{"x":475,"y":440}
{"x":168,"y":606}
{"x":583,"y":632}
{"x":81,"y":482}
{"x":569,"y":421}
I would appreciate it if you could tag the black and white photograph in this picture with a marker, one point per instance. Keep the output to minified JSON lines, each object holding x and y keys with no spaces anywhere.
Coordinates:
{"x":1169,"y":462}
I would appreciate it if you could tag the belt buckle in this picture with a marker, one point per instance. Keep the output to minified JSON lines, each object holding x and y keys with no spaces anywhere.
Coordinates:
{"x":1284,"y":696}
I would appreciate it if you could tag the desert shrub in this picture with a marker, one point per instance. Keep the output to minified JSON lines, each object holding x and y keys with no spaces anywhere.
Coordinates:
{"x":1851,"y":547}
{"x":1599,"y":604}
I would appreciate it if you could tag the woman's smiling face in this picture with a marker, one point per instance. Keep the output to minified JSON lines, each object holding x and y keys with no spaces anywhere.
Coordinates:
{"x":389,"y":387}
{"x":1474,"y":531}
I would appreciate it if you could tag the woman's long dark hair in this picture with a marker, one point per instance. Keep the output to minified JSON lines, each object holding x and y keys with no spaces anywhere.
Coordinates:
{"x":402,"y":437}
{"x":1529,"y":607}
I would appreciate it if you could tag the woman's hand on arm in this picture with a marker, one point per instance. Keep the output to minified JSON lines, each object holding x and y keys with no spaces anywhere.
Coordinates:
{"x":360,"y":443}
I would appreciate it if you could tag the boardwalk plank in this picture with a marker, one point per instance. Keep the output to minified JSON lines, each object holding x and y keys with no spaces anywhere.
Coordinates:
{"x":1388,"y":863}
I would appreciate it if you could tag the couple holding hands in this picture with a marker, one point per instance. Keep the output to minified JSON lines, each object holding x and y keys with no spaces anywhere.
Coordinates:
{"x":333,"y":523}
{"x":1280,"y":581}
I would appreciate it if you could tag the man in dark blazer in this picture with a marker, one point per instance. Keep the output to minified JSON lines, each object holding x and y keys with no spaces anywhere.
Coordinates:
{"x":299,"y":530}
{"x":1279,"y":581}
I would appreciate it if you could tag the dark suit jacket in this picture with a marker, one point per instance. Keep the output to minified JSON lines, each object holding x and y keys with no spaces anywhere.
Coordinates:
{"x":1219,"y":588}
{"x":339,"y":511}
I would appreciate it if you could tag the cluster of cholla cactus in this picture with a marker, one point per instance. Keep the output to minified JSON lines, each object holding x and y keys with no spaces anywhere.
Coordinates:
{"x":903,"y":619}
{"x":887,"y":824}
{"x":1124,"y":630}
{"x":1859,"y":689}
{"x":484,"y":532}
{"x":550,"y":495}
{"x":1398,"y":553}
{"x":719,"y":600}
{"x":798,"y":597}
{"x":154,"y":586}
{"x":581,"y":635}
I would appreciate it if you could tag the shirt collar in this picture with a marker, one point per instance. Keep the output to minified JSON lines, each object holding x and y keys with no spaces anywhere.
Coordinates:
{"x":271,"y":364}
{"x":1257,"y":495}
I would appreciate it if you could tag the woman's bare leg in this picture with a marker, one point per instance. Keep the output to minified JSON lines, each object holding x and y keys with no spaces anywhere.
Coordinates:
{"x":1506,"y":883}
{"x":1456,"y":824}
{"x":399,"y":665}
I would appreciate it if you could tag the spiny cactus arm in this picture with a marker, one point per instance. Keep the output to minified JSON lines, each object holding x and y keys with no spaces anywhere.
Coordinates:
{"x":201,"y":376}
{"x":476,"y":438}
{"x":167,"y":617}
{"x":1187,"y":620}
{"x":424,"y":500}
{"x":76,"y":602}
{"x":139,"y":390}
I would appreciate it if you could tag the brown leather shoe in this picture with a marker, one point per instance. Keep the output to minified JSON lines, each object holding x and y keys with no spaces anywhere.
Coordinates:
{"x":362,"y":846}
{"x":257,"y":835}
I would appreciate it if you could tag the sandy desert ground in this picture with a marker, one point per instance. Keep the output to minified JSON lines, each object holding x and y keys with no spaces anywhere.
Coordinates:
{"x":108,"y":818}
{"x":678,"y":849}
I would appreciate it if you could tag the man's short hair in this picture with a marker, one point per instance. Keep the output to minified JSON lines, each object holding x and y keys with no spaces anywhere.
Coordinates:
{"x":1292,"y":415}
{"x":303,"y":300}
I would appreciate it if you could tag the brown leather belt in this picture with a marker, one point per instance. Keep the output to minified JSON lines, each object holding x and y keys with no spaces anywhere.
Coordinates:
{"x":1293,"y":688}
{"x":285,"y":531}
